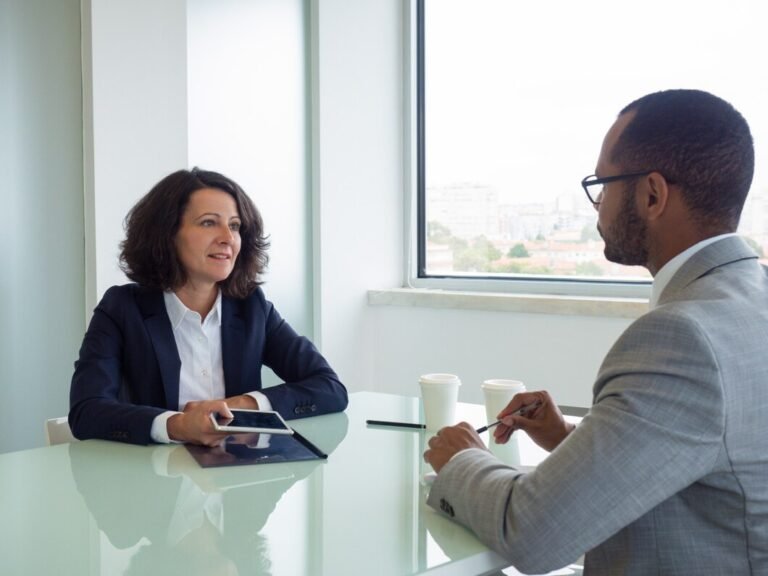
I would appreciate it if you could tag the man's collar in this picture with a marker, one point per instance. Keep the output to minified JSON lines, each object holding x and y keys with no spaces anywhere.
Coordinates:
{"x":663,"y":276}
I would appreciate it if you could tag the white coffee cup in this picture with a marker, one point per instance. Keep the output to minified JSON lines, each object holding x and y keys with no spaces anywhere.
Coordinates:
{"x":498,"y":393}
{"x":439,"y":394}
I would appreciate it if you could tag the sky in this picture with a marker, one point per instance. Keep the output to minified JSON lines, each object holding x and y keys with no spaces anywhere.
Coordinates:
{"x":520,"y":94}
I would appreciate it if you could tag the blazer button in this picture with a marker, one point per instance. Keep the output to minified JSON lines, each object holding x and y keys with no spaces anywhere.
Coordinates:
{"x":297,"y":410}
{"x":446,"y":507}
{"x":313,"y":408}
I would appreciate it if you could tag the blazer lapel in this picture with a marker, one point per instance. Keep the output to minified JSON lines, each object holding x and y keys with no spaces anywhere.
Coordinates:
{"x":720,"y":253}
{"x":160,"y":332}
{"x":232,"y":345}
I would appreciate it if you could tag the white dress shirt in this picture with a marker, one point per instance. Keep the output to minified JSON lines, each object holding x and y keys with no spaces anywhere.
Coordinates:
{"x":198,"y":341}
{"x":193,"y":504}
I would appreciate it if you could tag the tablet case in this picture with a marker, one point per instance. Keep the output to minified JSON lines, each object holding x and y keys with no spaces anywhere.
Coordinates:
{"x":249,"y":448}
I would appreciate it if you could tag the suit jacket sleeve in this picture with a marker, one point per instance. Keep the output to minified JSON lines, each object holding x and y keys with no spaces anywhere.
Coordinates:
{"x":310,"y":387}
{"x":655,"y":427}
{"x":116,"y":390}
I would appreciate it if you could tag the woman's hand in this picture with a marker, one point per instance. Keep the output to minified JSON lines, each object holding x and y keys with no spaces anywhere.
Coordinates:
{"x":194,"y":425}
{"x":242,"y":402}
{"x":544,"y":423}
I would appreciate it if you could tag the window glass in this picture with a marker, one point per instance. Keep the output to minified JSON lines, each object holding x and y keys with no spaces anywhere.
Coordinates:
{"x":517,"y":98}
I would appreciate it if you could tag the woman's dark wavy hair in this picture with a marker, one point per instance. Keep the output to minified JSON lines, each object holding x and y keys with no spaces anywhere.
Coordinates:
{"x":697,"y":141}
{"x":148,"y":253}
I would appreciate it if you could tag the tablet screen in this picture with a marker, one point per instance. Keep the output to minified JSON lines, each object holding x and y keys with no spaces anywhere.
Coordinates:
{"x":252,"y":419}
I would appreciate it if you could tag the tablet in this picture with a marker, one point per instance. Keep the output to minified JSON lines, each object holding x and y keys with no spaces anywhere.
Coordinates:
{"x":254,"y":421}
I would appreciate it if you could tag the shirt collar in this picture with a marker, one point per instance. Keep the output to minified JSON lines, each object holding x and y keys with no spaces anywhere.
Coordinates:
{"x":663,"y":276}
{"x":177,"y":310}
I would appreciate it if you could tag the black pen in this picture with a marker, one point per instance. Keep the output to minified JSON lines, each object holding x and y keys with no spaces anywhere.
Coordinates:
{"x":395,"y":424}
{"x":519,"y":412}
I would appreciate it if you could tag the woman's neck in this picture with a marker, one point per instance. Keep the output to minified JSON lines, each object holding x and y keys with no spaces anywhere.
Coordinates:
{"x":197,"y":298}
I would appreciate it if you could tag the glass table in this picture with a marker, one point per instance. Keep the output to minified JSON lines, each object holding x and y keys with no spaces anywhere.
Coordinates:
{"x":98,"y":507}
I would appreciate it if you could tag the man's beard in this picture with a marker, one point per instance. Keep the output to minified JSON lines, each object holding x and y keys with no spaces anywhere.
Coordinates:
{"x":626,"y":237}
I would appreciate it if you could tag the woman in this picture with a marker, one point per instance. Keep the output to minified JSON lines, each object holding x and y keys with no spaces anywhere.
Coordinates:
{"x":190,"y":336}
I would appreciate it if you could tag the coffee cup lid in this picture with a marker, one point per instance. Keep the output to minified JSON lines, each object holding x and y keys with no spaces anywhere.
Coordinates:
{"x":439,"y":378}
{"x":502,"y":384}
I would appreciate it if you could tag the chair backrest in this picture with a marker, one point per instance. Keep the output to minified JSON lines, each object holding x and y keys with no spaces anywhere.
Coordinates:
{"x":57,"y":431}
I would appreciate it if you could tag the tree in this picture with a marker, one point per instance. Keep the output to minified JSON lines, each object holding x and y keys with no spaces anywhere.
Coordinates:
{"x":483,"y":245}
{"x":438,"y":232}
{"x":475,"y":258}
{"x":518,"y":251}
{"x":470,"y":260}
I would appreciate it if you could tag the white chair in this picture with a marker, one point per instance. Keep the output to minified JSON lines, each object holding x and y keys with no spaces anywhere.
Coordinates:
{"x":57,"y":431}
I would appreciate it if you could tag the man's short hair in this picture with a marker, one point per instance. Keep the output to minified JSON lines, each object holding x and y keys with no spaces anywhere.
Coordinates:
{"x":697,"y":141}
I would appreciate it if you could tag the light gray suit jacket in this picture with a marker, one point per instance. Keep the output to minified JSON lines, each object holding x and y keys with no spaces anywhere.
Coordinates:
{"x":668,"y":473}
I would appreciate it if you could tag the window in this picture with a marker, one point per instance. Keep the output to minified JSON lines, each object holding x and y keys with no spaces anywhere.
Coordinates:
{"x":513,"y":100}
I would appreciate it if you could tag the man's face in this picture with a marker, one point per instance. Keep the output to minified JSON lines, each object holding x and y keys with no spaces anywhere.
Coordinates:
{"x":619,"y":223}
{"x":625,"y":233}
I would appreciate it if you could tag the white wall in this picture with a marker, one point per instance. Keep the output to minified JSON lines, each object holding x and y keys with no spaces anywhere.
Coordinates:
{"x":248,"y":119}
{"x":135,"y":66}
{"x":184,"y":82}
{"x":559,"y":353}
{"x":358,"y":106}
{"x":361,"y":192}
{"x":41,"y":283}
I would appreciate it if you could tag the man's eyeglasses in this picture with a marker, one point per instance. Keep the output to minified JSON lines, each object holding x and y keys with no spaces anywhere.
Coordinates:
{"x":593,"y":180}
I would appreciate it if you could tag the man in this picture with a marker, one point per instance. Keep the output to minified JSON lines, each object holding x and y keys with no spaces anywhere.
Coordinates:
{"x":668,"y":472}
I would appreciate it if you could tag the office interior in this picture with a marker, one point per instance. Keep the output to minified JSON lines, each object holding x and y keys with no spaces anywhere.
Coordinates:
{"x":99,"y":99}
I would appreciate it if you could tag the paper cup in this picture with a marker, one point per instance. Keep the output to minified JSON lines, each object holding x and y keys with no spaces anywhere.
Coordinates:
{"x":497,"y":395}
{"x":439,"y":394}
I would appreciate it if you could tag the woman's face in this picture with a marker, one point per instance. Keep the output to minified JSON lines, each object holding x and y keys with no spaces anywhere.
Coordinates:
{"x":208,"y":240}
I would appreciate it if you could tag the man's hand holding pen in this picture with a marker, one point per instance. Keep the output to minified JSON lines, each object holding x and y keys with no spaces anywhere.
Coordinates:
{"x":533,"y":412}
{"x":543,"y":422}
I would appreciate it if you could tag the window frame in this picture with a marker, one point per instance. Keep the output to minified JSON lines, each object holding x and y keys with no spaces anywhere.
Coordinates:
{"x":415,"y":205}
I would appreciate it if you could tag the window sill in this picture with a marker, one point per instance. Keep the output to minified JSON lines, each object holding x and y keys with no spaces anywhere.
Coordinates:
{"x":520,"y":303}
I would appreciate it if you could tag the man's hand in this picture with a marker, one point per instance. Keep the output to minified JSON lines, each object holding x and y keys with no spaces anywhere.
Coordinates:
{"x":194,"y":425}
{"x":544,"y":424}
{"x":449,"y":441}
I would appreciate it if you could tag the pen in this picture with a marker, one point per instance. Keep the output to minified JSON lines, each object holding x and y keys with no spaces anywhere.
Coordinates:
{"x":519,"y":412}
{"x":395,"y":424}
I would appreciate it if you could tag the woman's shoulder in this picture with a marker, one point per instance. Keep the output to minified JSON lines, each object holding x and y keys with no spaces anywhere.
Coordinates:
{"x":131,"y":294}
{"x":129,"y":290}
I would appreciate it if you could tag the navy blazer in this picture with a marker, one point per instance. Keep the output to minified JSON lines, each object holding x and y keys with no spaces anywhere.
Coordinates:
{"x":128,"y":370}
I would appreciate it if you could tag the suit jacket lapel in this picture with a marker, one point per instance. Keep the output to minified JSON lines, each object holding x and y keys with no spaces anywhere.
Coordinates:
{"x":158,"y":326}
{"x":720,"y":253}
{"x":232,"y":345}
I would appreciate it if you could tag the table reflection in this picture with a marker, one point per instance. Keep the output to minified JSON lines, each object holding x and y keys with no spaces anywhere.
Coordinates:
{"x":187,"y":520}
